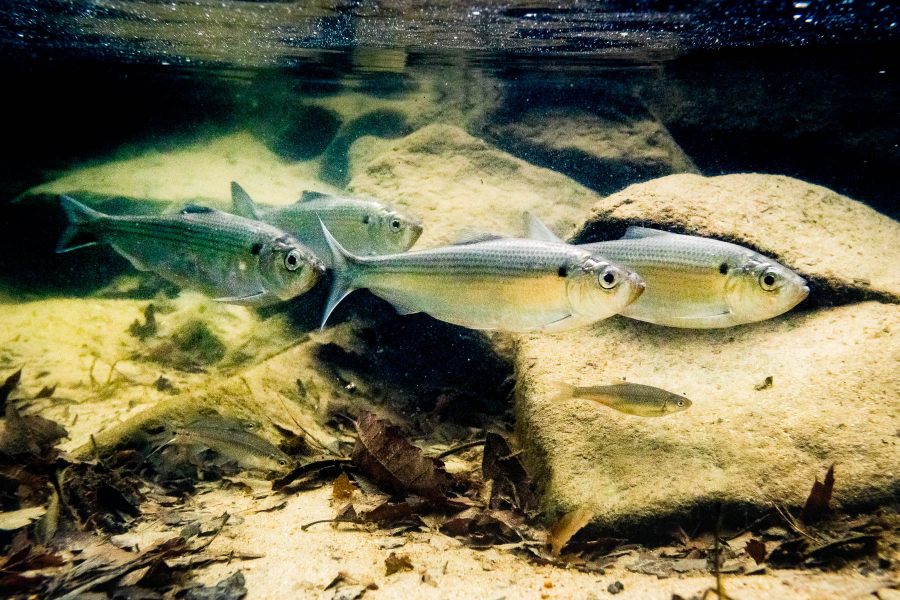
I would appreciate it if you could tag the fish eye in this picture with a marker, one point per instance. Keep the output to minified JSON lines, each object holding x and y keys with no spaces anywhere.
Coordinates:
{"x":608,"y":278}
{"x":768,"y":280}
{"x":292,"y":260}
{"x":282,"y":462}
{"x":395,"y":224}
{"x":680,"y":403}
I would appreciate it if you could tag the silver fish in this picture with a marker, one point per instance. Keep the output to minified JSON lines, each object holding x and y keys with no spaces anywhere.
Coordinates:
{"x":630,"y":398}
{"x":695,"y":282}
{"x":506,"y":284}
{"x":247,"y":449}
{"x":363,"y":227}
{"x":228,"y":257}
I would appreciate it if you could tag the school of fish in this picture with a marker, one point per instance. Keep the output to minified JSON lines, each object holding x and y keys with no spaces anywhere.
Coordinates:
{"x":260,"y":256}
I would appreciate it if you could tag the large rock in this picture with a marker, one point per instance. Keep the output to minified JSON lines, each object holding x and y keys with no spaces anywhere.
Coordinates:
{"x":454,"y":182}
{"x":602,"y":153}
{"x":835,"y":369}
{"x":849,"y":251}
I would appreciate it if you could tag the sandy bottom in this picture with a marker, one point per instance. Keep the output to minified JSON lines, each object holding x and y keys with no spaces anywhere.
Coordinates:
{"x":300,"y":564}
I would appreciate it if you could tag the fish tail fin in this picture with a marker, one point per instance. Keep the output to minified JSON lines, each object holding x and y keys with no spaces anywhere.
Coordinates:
{"x":242,"y":204}
{"x":561,"y":391}
{"x":77,"y":233}
{"x":342,"y":266}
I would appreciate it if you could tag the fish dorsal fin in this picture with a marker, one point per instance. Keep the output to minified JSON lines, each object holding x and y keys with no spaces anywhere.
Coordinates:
{"x":308,"y":195}
{"x":537,"y":230}
{"x":242,"y":204}
{"x":635,"y":233}
{"x":474,"y":236}
{"x":193,"y":209}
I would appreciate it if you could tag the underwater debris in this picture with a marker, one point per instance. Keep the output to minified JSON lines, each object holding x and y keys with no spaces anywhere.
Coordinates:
{"x":6,"y":389}
{"x":395,"y":563}
{"x":231,"y":588}
{"x":342,"y":489}
{"x":385,"y":455}
{"x":563,"y":530}
{"x":819,"y":498}
{"x":757,"y":550}
{"x":512,"y":487}
{"x":765,"y":385}
{"x":149,"y":328}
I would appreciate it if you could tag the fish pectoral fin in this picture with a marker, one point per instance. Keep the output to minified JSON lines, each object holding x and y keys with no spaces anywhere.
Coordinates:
{"x":249,"y":299}
{"x":563,"y":324}
{"x":635,"y":233}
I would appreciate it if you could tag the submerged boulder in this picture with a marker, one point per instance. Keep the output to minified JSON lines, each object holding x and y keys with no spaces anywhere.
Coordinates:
{"x":455,"y":182}
{"x":602,"y":153}
{"x":775,"y":403}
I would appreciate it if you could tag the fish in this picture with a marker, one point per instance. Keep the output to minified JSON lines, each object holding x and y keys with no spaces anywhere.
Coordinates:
{"x":364,"y":227}
{"x":696,"y":282}
{"x":629,"y":398}
{"x":247,"y":449}
{"x":499,"y":284}
{"x":232,"y":259}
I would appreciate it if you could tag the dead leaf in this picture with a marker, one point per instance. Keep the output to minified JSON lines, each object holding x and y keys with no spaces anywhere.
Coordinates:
{"x":347,"y":514}
{"x":766,"y":384}
{"x":233,"y":588}
{"x":566,"y":527}
{"x":819,"y":498}
{"x":342,"y":489}
{"x":44,"y":432}
{"x":46,"y":392}
{"x":17,"y":519}
{"x":757,"y":550}
{"x":397,"y":562}
{"x":511,"y":486}
{"x":389,"y":512}
{"x":386,"y":456}
{"x":8,"y":386}
{"x":16,"y":438}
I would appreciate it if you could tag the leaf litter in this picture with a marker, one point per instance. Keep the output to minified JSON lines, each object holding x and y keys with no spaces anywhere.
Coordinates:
{"x":386,"y":483}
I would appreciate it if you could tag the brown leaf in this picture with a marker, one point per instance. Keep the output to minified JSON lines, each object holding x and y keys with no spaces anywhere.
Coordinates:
{"x":16,"y":437}
{"x":819,"y":498}
{"x":44,"y":432}
{"x":397,"y":562}
{"x":342,"y":488}
{"x":389,"y":512}
{"x":512,"y":486}
{"x":46,"y":391}
{"x":8,"y":386}
{"x":346,"y":514}
{"x":566,"y":527}
{"x":388,"y":458}
{"x":757,"y":550}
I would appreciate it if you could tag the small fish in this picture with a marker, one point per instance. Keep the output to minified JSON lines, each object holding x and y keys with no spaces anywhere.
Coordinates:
{"x":228,"y":257}
{"x":505,"y":284}
{"x":364,"y":227}
{"x":630,"y":398}
{"x":696,"y":282}
{"x":247,"y":449}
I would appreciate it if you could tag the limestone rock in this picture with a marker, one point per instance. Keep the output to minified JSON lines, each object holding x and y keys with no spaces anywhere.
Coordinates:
{"x":835,"y":382}
{"x":454,"y":182}
{"x":848,"y":251}
{"x":603,"y":154}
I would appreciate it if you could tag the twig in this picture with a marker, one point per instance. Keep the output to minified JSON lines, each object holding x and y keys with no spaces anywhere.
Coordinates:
{"x":460,"y":448}
{"x":793,"y":524}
